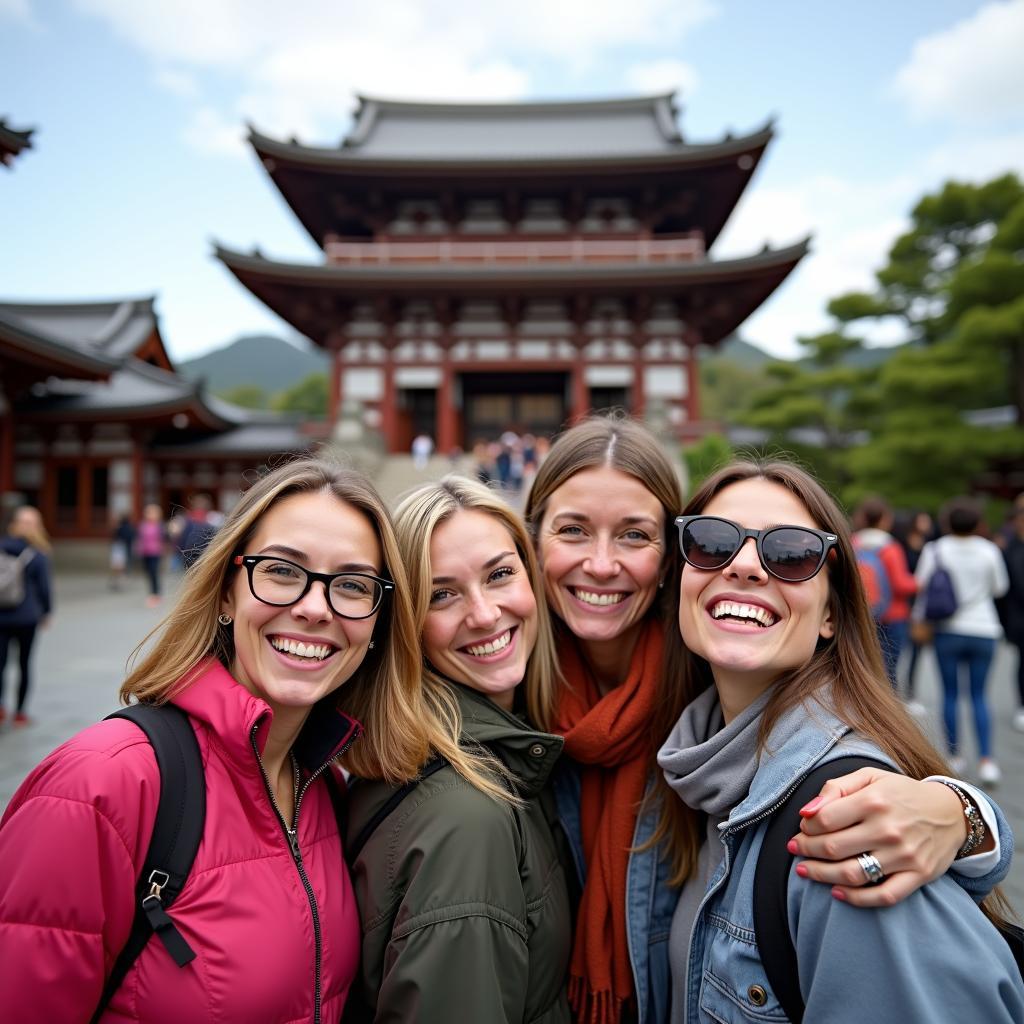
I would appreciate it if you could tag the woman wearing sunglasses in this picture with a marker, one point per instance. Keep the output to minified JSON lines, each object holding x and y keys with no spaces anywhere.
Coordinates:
{"x":602,"y":511}
{"x":292,"y":628}
{"x":782,"y":672}
{"x":460,"y":885}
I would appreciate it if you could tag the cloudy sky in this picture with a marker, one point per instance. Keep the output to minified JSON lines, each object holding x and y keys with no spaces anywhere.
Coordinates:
{"x":140,"y":107}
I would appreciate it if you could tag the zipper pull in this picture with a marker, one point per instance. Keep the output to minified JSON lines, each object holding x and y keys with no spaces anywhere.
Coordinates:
{"x":293,"y":842}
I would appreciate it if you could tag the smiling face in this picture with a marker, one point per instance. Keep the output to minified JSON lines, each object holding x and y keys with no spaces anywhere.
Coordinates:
{"x":601,"y":545}
{"x":481,"y":624}
{"x":293,"y":656}
{"x":749,"y":626}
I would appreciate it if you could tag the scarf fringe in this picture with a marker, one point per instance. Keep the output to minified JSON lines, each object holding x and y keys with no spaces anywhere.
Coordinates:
{"x":593,"y":1007}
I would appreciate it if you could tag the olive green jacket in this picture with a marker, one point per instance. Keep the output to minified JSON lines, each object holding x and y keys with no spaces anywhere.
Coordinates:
{"x":462,"y":898}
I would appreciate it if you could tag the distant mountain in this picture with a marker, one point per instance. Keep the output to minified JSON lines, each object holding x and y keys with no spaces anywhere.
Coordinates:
{"x":262,"y":360}
{"x":742,"y":353}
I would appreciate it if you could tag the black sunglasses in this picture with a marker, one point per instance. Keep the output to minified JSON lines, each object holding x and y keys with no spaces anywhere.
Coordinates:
{"x":789,"y":553}
{"x":279,"y":582}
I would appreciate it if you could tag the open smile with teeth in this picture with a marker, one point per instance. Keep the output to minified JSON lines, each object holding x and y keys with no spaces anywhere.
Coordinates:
{"x":493,"y":646}
{"x":298,"y":649}
{"x":744,"y":613}
{"x":600,"y":600}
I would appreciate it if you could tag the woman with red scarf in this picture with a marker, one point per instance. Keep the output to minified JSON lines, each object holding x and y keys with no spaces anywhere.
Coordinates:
{"x":601,"y":511}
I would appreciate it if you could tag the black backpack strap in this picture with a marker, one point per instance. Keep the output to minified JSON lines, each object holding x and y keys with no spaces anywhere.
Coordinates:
{"x":354,"y":848}
{"x":771,"y":879}
{"x":177,"y":830}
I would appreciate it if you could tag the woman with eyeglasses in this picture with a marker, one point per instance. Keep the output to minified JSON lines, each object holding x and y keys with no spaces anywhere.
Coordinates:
{"x":459,"y":880}
{"x":601,"y":511}
{"x":292,"y":629}
{"x":782,"y":672}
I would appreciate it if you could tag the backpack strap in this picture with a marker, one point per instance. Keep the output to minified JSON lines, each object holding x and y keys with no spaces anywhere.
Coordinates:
{"x":177,"y":830}
{"x":771,"y":878}
{"x":435,"y":764}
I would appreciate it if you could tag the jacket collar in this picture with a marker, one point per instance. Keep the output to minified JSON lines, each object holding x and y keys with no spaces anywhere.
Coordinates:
{"x":529,"y":755}
{"x":212,"y":696}
{"x":804,"y":736}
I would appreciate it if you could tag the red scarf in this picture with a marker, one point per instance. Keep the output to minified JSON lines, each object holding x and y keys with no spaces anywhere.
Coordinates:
{"x":611,"y":737}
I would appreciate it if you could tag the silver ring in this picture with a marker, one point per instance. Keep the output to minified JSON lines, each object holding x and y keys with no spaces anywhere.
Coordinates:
{"x":872,"y":869}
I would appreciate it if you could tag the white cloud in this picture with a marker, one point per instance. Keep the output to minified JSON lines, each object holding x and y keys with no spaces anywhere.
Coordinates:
{"x":209,"y":132}
{"x":177,"y":82}
{"x":974,"y":158}
{"x":970,"y":72}
{"x":294,"y":68}
{"x":655,"y":76}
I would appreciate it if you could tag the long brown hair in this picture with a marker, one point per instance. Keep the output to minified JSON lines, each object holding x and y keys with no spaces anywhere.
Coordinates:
{"x":383,"y":693}
{"x":417,"y":517}
{"x":620,"y":443}
{"x":845,"y":672}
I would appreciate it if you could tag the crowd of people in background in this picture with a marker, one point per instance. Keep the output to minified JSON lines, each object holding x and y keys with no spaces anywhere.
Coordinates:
{"x":511,"y":462}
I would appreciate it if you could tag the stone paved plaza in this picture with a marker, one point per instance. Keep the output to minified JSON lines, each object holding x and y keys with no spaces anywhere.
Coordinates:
{"x":80,"y":660}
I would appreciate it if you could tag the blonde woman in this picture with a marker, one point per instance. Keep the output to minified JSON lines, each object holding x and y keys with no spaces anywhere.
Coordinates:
{"x":290,"y":630}
{"x":27,"y":547}
{"x":460,"y":886}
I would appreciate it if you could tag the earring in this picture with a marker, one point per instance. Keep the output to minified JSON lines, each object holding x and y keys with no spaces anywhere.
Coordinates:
{"x":224,"y":619}
{"x":661,"y":585}
{"x":370,"y":647}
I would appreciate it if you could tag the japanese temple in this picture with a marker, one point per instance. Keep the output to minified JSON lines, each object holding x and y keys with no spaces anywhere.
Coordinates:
{"x":513,"y":265}
{"x":95,"y":422}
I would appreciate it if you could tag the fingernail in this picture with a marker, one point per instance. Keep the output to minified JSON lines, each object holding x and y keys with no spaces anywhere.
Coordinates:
{"x":801,"y":870}
{"x":838,"y":894}
{"x":791,"y":846}
{"x":810,"y":808}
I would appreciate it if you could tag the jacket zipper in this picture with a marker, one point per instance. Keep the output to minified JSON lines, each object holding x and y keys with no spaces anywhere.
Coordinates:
{"x":292,"y":836}
{"x":728,"y":834}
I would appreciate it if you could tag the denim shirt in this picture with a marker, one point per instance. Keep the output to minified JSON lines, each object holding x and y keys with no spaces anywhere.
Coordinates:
{"x":651,"y":901}
{"x":855,"y":964}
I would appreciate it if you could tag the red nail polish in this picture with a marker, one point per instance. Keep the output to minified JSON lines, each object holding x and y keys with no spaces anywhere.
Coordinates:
{"x":791,"y":846}
{"x":801,"y":870}
{"x":808,"y":809}
{"x":839,"y":895}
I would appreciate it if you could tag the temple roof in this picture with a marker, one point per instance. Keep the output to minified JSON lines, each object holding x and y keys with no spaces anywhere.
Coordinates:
{"x":113,"y":329}
{"x":13,"y":141}
{"x":134,"y":391}
{"x":40,"y":354}
{"x":258,"y":439}
{"x":720,"y":294}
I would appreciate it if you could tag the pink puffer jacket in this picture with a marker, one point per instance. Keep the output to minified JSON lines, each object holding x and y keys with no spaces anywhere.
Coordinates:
{"x":74,"y":839}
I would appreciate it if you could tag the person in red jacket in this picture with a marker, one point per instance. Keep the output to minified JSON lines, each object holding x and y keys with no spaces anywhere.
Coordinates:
{"x":294,"y":623}
{"x":874,"y":519}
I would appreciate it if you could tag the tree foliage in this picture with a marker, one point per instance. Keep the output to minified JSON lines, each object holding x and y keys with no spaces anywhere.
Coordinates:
{"x":308,"y":396}
{"x":248,"y":396}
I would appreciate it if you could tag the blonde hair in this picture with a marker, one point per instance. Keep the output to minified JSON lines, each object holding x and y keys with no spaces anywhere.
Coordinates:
{"x":417,"y":517}
{"x":27,"y":523}
{"x":383,"y":693}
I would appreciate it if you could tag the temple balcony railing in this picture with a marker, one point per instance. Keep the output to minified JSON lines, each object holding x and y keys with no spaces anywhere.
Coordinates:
{"x":518,"y":251}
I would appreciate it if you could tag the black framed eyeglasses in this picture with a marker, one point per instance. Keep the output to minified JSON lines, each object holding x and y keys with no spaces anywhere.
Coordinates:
{"x":276,"y":581}
{"x":789,"y":553}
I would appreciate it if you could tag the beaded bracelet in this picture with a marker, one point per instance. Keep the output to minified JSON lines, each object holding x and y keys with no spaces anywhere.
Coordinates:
{"x":976,"y":830}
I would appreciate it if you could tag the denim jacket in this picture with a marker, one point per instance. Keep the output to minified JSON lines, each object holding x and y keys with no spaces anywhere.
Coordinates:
{"x":651,"y":901}
{"x":932,"y":957}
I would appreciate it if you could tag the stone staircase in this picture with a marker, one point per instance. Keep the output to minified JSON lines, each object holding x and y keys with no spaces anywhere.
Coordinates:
{"x":397,"y":474}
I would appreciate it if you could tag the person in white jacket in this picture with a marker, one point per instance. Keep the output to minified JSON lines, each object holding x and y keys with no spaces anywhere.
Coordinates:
{"x":968,"y":637}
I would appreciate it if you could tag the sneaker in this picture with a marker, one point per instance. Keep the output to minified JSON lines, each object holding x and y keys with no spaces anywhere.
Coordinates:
{"x":988,"y":772}
{"x":957,"y":765}
{"x":1018,"y":720}
{"x":21,"y":720}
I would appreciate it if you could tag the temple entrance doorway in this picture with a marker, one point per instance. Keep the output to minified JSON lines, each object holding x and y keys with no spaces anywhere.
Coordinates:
{"x":534,"y":403}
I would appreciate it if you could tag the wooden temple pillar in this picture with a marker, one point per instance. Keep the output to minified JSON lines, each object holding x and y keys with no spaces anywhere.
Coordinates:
{"x":447,"y":416}
{"x":336,"y":342}
{"x":389,"y":398}
{"x":138,"y":471}
{"x":692,"y":338}
{"x":6,"y":447}
{"x":579,"y":392}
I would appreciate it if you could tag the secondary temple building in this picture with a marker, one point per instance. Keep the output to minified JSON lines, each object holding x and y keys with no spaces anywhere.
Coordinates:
{"x":489,"y":266}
